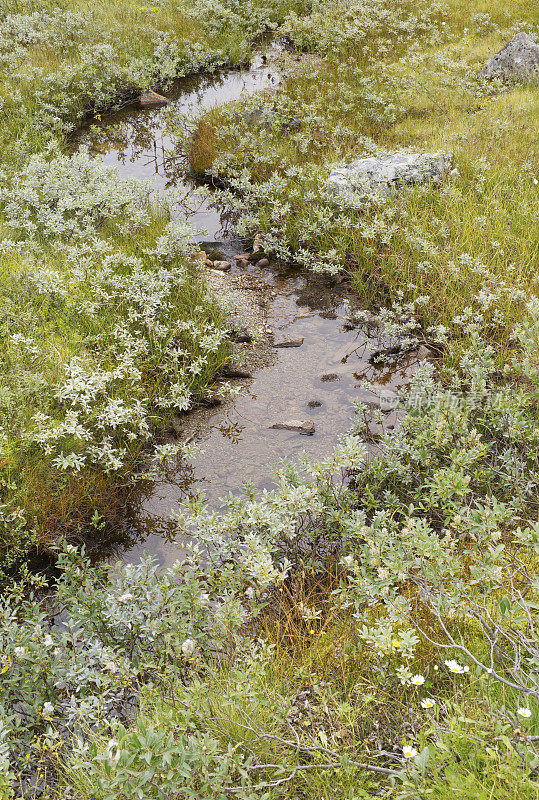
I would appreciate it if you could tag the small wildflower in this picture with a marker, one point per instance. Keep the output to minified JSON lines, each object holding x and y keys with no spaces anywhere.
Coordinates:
{"x":396,"y":643}
{"x":524,"y":712}
{"x":408,"y":751}
{"x":111,"y":667}
{"x":20,"y":652}
{"x":454,"y":667}
{"x":428,"y":702}
{"x":48,"y":709}
{"x":48,"y":640}
{"x":417,"y":680}
{"x":125,"y":598}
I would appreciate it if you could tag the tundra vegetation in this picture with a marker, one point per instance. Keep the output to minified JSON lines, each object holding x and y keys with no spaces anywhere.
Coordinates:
{"x":369,"y":628}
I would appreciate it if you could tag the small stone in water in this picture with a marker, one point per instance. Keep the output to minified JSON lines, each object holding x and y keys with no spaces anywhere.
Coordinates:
{"x":314,"y":403}
{"x":289,"y":343}
{"x":223,"y":266}
{"x":305,"y":427}
{"x":152,"y":100}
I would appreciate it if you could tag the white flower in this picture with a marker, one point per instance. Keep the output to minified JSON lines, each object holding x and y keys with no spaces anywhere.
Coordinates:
{"x":20,"y":652}
{"x":125,"y":598}
{"x":204,"y":598}
{"x":48,"y":709}
{"x":250,"y":592}
{"x":188,"y":647}
{"x":48,"y":640}
{"x":428,"y":702}
{"x":455,"y":667}
{"x":408,"y":751}
{"x":347,"y":560}
{"x":417,"y":680}
{"x":524,"y":712}
{"x":111,"y":667}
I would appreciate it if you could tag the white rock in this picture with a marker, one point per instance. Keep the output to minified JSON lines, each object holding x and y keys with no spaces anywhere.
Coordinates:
{"x":518,"y":61}
{"x":385,"y":175}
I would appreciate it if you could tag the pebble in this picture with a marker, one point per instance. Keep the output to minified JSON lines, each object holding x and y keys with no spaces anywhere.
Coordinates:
{"x":263,"y":262}
{"x":222,"y":266}
{"x":306,"y":426}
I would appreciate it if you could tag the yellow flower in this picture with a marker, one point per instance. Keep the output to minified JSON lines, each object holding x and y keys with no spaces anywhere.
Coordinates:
{"x":396,"y":643}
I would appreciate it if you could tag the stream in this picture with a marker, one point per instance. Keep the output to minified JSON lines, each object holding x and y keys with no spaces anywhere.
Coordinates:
{"x":318,"y":381}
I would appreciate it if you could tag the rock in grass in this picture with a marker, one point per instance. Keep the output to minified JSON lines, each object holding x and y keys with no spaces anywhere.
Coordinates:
{"x":152,"y":100}
{"x":517,"y":62}
{"x":385,"y":175}
{"x":305,"y":426}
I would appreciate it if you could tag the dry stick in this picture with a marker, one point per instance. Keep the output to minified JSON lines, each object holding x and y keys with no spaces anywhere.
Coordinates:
{"x":261,"y":734}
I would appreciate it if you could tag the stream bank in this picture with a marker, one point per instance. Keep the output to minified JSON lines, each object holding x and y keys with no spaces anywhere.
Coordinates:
{"x":316,"y":381}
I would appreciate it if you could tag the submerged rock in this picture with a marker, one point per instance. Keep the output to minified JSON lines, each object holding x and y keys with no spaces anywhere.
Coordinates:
{"x":385,"y":175}
{"x":518,"y":61}
{"x":152,"y":100}
{"x":305,"y":426}
{"x":289,"y":343}
{"x":222,"y":266}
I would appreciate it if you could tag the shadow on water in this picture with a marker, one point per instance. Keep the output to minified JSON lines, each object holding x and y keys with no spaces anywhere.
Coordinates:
{"x":319,"y":381}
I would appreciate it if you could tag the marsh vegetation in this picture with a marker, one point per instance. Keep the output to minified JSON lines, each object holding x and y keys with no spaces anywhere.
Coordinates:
{"x":369,"y":627}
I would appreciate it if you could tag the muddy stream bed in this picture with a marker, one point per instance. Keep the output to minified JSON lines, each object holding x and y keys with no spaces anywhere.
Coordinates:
{"x":317,"y":381}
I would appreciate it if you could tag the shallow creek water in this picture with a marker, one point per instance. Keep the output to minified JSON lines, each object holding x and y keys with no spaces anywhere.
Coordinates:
{"x":318,"y":381}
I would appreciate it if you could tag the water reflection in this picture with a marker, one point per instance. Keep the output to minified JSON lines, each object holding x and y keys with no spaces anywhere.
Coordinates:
{"x":140,"y":144}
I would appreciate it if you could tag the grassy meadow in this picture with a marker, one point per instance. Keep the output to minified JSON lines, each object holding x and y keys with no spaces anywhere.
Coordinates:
{"x":369,"y":628}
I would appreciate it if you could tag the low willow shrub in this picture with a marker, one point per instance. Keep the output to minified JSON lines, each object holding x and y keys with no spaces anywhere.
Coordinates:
{"x":108,"y":333}
{"x":76,"y":667}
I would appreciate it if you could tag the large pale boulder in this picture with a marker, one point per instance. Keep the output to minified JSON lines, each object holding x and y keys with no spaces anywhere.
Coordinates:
{"x":385,"y":175}
{"x":517,"y":62}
